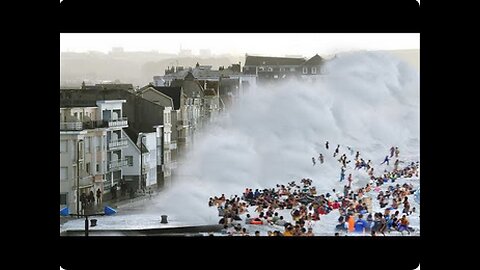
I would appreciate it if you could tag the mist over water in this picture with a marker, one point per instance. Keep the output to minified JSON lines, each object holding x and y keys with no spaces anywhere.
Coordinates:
{"x":368,"y":101}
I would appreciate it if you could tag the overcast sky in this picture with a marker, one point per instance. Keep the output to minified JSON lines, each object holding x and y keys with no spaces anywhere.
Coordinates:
{"x":257,"y":43}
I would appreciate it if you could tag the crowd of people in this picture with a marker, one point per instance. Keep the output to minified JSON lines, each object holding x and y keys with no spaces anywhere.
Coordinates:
{"x":306,"y":206}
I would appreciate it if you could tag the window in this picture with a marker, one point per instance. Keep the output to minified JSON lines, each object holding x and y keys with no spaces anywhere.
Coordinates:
{"x":261,"y":68}
{"x":80,"y":148}
{"x":275,"y":76}
{"x":88,"y":167}
{"x":314,"y":70}
{"x":87,"y":145}
{"x":129,"y":160}
{"x":98,"y":167}
{"x":167,"y":118}
{"x":63,"y":198}
{"x":305,"y":70}
{"x":270,"y":69}
{"x":63,"y":173}
{"x":63,"y":146}
{"x":75,"y":115}
{"x":292,"y":69}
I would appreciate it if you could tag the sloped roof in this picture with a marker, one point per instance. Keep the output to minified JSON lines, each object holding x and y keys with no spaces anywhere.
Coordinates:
{"x":314,"y":61}
{"x":172,"y":92}
{"x":125,"y":86}
{"x":133,"y":135}
{"x":272,"y":61}
{"x":151,"y":88}
{"x":190,"y":87}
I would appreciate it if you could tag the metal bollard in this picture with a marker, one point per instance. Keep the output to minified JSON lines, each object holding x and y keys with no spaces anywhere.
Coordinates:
{"x":164,"y":219}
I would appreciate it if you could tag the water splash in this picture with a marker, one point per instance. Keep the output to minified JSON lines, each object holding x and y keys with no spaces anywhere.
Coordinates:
{"x":368,"y":101}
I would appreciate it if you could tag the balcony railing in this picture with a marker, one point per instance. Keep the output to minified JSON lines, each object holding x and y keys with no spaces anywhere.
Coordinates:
{"x":120,"y":122}
{"x":95,"y":124}
{"x":117,"y":164}
{"x":173,"y":165}
{"x":77,"y":126}
{"x":64,"y":126}
{"x":116,"y":144}
{"x":170,"y":145}
{"x":83,"y":182}
{"x":182,"y":122}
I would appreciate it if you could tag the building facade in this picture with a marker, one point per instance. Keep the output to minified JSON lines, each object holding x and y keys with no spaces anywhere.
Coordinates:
{"x":141,"y":152}
{"x":91,"y":146}
{"x":143,"y":115}
{"x":313,"y":69}
{"x":271,"y":69}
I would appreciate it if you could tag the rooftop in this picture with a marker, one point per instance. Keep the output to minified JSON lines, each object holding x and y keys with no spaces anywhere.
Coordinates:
{"x":273,"y":61}
{"x":173,"y":92}
{"x":111,"y":101}
{"x":314,"y":61}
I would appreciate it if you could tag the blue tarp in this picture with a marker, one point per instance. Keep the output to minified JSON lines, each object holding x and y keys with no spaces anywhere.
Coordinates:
{"x":109,"y":211}
{"x":64,"y":212}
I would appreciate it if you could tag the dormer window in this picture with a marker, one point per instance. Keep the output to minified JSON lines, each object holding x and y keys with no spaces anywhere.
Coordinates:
{"x":314,"y":70}
{"x":305,"y":70}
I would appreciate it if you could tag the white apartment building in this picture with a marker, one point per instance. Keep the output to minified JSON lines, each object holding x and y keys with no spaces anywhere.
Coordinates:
{"x":91,"y":146}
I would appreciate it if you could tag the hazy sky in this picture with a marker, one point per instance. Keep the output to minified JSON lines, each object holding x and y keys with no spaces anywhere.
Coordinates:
{"x":239,"y":43}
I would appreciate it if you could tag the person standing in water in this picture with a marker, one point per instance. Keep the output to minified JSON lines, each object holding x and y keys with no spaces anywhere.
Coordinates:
{"x":386,"y":160}
{"x":326,"y":145}
{"x":395,"y":168}
{"x":320,"y":158}
{"x":342,"y":174}
{"x":351,"y":150}
{"x":313,"y":161}
{"x":350,"y":180}
{"x":397,"y":152}
{"x":392,"y":151}
{"x":369,"y":164}
{"x":336,"y":151}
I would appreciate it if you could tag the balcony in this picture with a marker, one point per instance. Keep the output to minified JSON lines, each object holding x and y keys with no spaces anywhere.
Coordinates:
{"x":120,"y":122}
{"x":117,"y":164}
{"x":71,"y":126}
{"x":117,"y":144}
{"x":183,"y":123}
{"x":170,"y":145}
{"x":166,"y":146}
{"x":78,"y":126}
{"x":84,"y":182}
{"x":173,"y":165}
